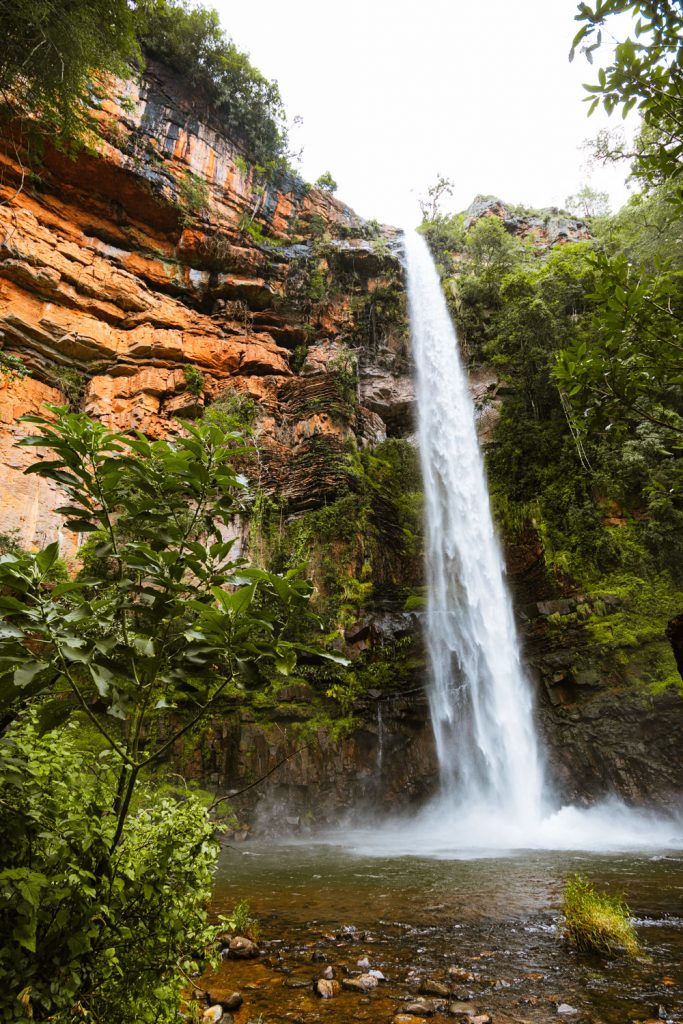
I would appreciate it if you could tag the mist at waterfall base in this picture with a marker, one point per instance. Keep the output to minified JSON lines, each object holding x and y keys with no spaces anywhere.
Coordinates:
{"x":493,"y":795}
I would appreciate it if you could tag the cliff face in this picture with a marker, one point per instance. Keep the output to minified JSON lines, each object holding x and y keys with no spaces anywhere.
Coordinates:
{"x":122,"y":269}
{"x":159,"y":276}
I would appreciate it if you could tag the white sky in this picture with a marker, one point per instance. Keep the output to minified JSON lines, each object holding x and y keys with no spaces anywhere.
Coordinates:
{"x":393,"y":92}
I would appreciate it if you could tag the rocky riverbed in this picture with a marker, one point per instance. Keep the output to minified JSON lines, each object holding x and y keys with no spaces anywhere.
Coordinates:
{"x":406,"y":939}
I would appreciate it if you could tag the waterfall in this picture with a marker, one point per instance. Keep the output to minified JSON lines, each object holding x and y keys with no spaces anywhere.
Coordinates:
{"x":480,"y":698}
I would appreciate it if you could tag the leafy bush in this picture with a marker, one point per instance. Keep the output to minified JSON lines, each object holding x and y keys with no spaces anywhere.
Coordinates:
{"x":85,"y":934}
{"x":194,"y":379}
{"x":596,"y":922}
{"x":241,"y":922}
{"x":191,"y":41}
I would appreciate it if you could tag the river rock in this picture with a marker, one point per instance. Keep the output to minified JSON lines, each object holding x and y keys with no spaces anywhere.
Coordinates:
{"x":566,"y":1008}
{"x":461,"y":1009}
{"x":231,"y":1002}
{"x":297,"y":983}
{"x":364,"y":963}
{"x":377,"y":974}
{"x":328,"y":973}
{"x":326,"y":988}
{"x":363,"y":983}
{"x":430,"y":987}
{"x":420,"y":1009}
{"x":460,"y":974}
{"x":242,"y":948}
{"x":213,"y":1014}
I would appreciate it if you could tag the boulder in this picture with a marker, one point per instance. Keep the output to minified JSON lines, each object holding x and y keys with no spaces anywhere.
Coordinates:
{"x":242,"y":948}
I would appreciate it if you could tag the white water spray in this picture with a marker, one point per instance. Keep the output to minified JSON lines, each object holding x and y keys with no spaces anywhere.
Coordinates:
{"x":480,"y":698}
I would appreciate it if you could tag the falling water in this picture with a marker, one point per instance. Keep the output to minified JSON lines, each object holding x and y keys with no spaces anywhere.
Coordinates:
{"x":480,"y":698}
{"x":492,"y":795}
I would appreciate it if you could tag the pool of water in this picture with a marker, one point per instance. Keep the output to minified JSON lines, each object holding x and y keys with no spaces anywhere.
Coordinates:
{"x":487,"y":929}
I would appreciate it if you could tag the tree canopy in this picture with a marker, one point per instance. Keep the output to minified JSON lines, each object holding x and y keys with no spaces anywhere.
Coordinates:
{"x":54,"y":50}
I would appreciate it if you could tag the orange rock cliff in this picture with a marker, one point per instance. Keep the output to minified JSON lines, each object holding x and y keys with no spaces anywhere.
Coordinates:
{"x":160,"y":252}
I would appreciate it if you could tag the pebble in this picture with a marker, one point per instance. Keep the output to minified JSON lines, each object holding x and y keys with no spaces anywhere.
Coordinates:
{"x":328,"y":974}
{"x":326,"y":988}
{"x":297,"y":983}
{"x":363,"y":983}
{"x":364,"y":963}
{"x":212,"y":1015}
{"x":377,"y":974}
{"x":566,"y":1008}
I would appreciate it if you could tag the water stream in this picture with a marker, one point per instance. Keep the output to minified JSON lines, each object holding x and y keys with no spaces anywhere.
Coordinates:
{"x":479,"y":695}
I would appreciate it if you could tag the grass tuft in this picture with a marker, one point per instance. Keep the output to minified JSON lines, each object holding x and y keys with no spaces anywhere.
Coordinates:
{"x":596,"y":922}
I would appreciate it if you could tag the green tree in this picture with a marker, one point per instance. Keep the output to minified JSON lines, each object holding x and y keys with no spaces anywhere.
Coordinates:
{"x":51,"y":51}
{"x":588,"y":203}
{"x":646,"y":73}
{"x":248,"y":106}
{"x":629,"y":369}
{"x":326,"y":182}
{"x":146,"y":648}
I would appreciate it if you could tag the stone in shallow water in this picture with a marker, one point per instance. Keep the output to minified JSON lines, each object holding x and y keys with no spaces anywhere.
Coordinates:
{"x":363,"y":983}
{"x":461,"y":973}
{"x":212,"y":1015}
{"x":328,"y":973}
{"x":455,"y":1008}
{"x":566,"y":1008}
{"x":430,"y":987}
{"x":242,"y":948}
{"x":419,"y":1009}
{"x":327,"y":989}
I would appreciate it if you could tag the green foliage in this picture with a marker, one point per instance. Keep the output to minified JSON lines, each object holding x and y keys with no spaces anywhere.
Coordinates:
{"x":326,"y":182}
{"x":233,"y":411}
{"x":171,"y":624}
{"x":85,"y":934}
{"x":247,"y":106}
{"x":646,"y":73}
{"x":430,"y":207}
{"x":194,"y":379}
{"x":588,"y":203}
{"x":51,"y":52}
{"x":12,"y":366}
{"x":192,"y":198}
{"x":629,"y":369}
{"x":596,"y":922}
{"x":241,"y":922}
{"x":69,"y":381}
